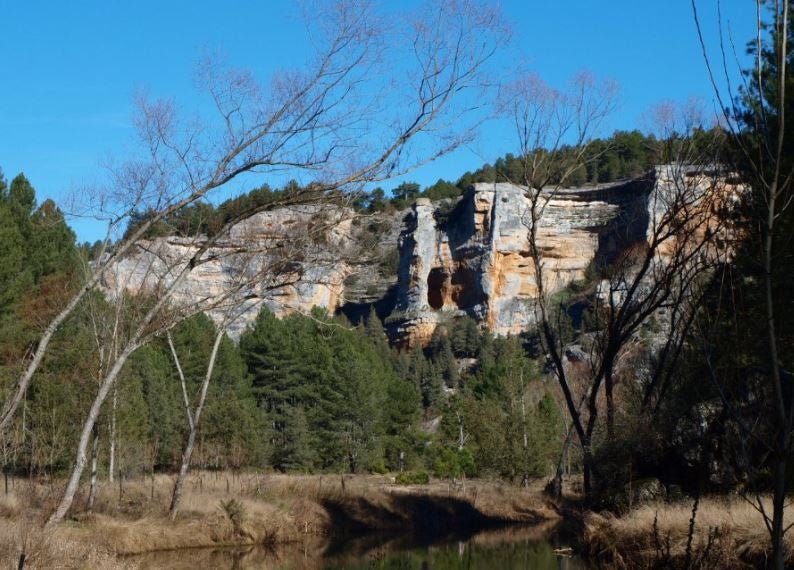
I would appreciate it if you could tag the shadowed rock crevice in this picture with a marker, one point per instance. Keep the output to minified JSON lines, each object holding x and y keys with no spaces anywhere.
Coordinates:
{"x":437,"y":288}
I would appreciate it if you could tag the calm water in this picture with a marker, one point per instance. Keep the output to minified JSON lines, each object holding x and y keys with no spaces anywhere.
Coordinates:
{"x":505,"y":550}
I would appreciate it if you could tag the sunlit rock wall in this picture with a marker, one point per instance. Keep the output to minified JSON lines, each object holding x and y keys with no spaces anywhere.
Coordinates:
{"x":470,"y":257}
{"x":290,"y":259}
{"x":475,"y":260}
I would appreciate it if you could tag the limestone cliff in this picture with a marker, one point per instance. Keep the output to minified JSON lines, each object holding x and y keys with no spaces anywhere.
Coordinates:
{"x":475,"y":261}
{"x":289,"y":259}
{"x":417,"y":267}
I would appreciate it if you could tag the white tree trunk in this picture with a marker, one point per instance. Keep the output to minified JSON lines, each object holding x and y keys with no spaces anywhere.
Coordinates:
{"x":185,"y":398}
{"x":112,"y":458}
{"x":94,"y":457}
{"x":194,"y":422}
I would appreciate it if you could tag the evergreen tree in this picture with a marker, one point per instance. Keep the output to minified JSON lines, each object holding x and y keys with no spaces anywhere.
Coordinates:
{"x":294,"y":451}
{"x":444,"y":357}
{"x":14,"y":277}
{"x":152,"y":367}
{"x":53,"y":248}
{"x":466,"y":338}
{"x":426,"y":377}
{"x":401,"y":416}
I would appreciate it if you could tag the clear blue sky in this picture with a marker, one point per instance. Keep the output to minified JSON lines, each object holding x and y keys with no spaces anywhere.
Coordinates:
{"x":70,"y":69}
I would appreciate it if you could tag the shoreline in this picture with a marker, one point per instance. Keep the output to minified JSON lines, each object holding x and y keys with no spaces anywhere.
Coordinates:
{"x":260,"y":510}
{"x":364,"y":513}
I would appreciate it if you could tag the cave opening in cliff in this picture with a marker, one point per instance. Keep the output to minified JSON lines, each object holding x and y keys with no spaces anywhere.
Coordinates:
{"x":437,"y":286}
{"x":466,"y":292}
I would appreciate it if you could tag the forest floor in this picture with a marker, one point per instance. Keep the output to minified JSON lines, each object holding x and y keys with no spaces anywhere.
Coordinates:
{"x":228,"y":509}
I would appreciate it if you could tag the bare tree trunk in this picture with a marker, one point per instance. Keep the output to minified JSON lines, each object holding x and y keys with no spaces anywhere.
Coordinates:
{"x":782,"y":439}
{"x":461,"y":433}
{"x":182,"y":382}
{"x":94,"y":457}
{"x":525,"y":474}
{"x":779,"y":508}
{"x":559,"y":474}
{"x":188,"y":453}
{"x":176,"y":496}
{"x":784,"y":412}
{"x":609,"y":388}
{"x":587,"y":468}
{"x":112,"y":458}
{"x":551,"y":342}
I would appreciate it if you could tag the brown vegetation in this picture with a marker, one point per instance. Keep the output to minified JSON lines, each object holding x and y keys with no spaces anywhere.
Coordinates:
{"x":726,"y":533}
{"x":227,"y":509}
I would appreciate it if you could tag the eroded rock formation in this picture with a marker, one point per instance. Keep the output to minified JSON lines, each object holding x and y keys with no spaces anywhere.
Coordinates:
{"x":475,"y":260}
{"x":418,"y":268}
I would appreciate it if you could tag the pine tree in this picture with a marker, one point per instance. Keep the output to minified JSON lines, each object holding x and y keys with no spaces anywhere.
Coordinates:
{"x":444,"y":357}
{"x":466,"y":338}
{"x":152,"y":367}
{"x":13,"y":275}
{"x":52,"y":242}
{"x":294,"y":451}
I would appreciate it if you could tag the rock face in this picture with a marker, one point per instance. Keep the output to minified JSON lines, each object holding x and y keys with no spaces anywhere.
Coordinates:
{"x":290,"y":259}
{"x":418,"y":267}
{"x":475,"y":260}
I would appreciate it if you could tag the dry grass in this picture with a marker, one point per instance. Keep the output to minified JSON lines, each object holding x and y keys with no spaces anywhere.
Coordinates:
{"x":728,"y":533}
{"x":52,"y":550}
{"x":267,"y":509}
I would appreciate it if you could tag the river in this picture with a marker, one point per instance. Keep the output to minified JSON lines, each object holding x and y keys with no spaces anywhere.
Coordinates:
{"x":507,"y":549}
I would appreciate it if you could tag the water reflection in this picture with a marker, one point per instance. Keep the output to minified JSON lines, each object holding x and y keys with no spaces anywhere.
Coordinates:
{"x":513,"y":549}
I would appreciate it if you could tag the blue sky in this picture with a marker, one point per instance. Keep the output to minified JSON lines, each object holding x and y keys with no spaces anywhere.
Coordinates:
{"x":70,"y":69}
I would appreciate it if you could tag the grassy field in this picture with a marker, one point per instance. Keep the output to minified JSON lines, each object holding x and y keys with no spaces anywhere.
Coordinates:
{"x":220,"y":509}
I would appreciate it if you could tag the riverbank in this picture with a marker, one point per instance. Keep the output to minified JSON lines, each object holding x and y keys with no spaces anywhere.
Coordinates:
{"x":320,"y":515}
{"x":226,"y":509}
{"x":721,"y":533}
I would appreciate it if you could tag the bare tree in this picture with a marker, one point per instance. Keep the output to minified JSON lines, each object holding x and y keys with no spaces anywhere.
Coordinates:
{"x":193,"y":414}
{"x":232,"y":308}
{"x":316,"y":122}
{"x":105,"y":324}
{"x":667,"y":250}
{"x":554,"y":130}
